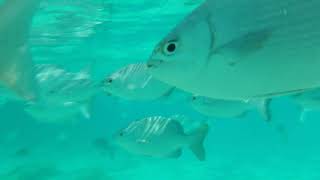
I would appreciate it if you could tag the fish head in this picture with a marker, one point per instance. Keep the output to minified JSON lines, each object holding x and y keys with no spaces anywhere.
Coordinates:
{"x":131,"y":136}
{"x":183,"y":53}
{"x":110,"y":84}
{"x":127,"y":80}
{"x":195,"y":99}
{"x":124,"y":139}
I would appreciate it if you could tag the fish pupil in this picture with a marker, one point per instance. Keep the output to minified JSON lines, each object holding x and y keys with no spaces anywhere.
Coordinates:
{"x":171,"y":47}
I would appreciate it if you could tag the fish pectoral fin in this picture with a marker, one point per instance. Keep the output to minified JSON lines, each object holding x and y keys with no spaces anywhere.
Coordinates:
{"x":142,"y":141}
{"x":85,"y":111}
{"x":176,"y":154}
{"x":169,"y":92}
{"x":303,"y":115}
{"x":244,"y":45}
{"x":263,"y":107}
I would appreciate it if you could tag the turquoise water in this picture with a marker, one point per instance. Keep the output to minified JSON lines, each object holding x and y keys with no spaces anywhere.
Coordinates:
{"x":112,"y":34}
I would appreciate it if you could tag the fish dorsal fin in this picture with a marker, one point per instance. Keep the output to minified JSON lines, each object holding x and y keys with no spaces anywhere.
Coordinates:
{"x":176,"y":154}
{"x":244,"y":45}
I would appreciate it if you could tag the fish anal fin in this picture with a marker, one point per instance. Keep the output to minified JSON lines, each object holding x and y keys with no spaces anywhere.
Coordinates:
{"x":176,"y":154}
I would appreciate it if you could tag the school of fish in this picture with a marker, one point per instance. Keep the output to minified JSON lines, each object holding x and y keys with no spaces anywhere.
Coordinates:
{"x":241,"y":59}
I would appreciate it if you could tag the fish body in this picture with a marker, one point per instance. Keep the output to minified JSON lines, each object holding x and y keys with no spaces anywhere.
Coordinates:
{"x":133,"y":82}
{"x":243,"y":49}
{"x":59,"y":85}
{"x":161,"y":137}
{"x":16,"y":65}
{"x":53,"y":112}
{"x":230,"y":109}
{"x":65,"y":94}
{"x":220,"y":108}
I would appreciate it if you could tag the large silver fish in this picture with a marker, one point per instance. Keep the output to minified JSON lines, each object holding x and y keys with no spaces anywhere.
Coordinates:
{"x":16,"y":66}
{"x":243,"y":49}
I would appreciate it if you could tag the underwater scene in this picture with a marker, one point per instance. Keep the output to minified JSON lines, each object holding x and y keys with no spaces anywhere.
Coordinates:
{"x":159,"y":90}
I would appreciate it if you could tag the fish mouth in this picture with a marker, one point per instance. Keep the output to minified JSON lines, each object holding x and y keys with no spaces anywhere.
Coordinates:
{"x":154,"y":63}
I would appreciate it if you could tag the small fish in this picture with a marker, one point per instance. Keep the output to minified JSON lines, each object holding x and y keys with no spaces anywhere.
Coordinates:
{"x":64,"y":94}
{"x":230,"y":109}
{"x":133,"y":82}
{"x":59,"y":85}
{"x":243,"y":49}
{"x":16,"y":65}
{"x":57,"y":113}
{"x":161,"y":137}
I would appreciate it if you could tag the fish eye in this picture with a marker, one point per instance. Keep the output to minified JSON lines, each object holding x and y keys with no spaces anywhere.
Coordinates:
{"x":170,"y":47}
{"x":194,"y":98}
{"x":121,"y":134}
{"x":109,"y":80}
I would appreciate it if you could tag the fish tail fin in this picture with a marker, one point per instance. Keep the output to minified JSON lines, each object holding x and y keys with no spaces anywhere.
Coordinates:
{"x":198,"y":136}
